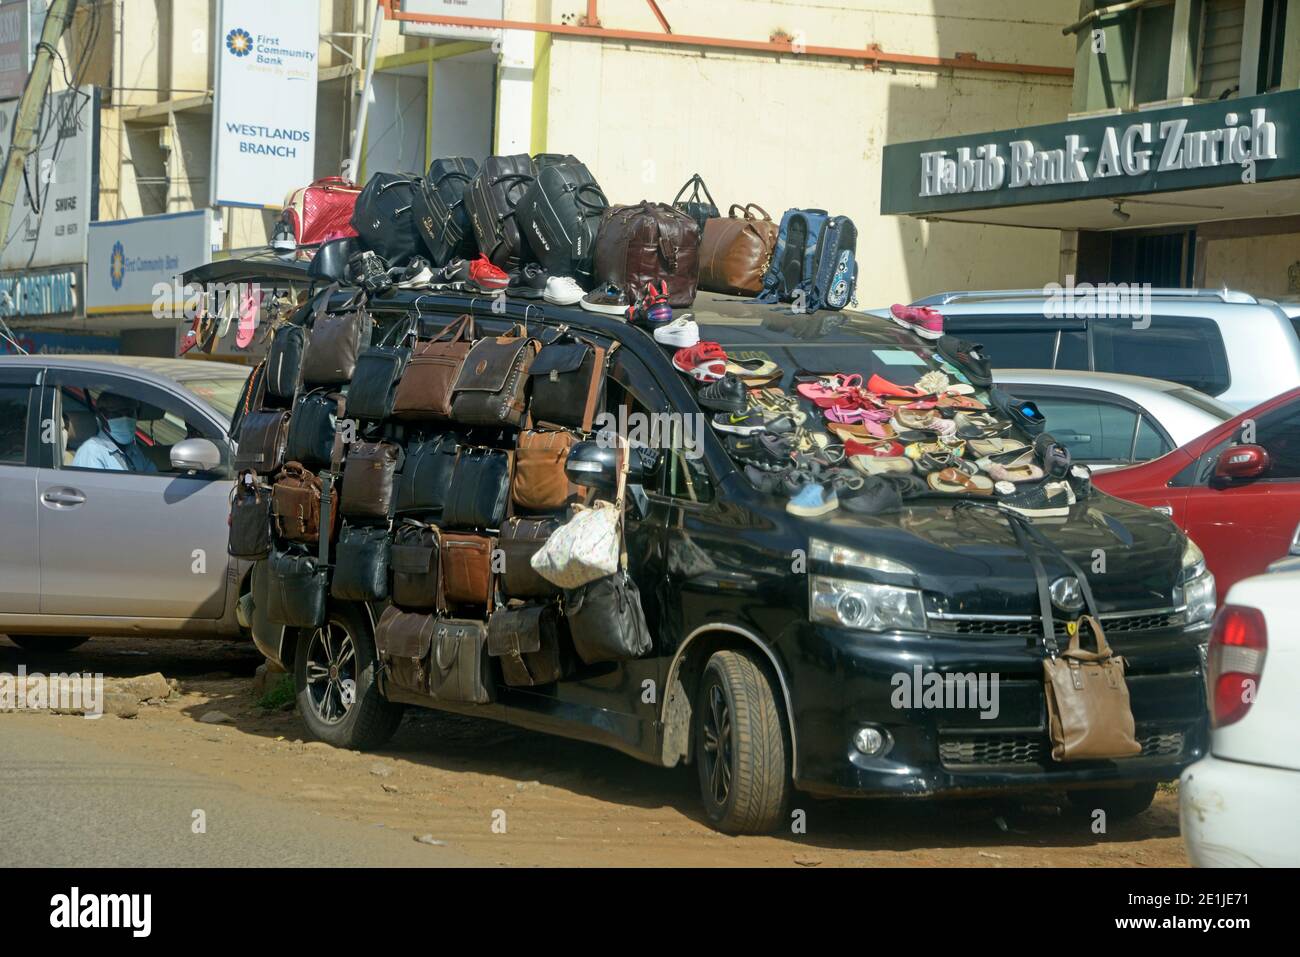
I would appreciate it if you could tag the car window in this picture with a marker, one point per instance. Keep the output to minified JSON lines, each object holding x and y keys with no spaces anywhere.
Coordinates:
{"x":1026,"y":342}
{"x":1184,"y":349}
{"x":1014,"y":349}
{"x":1093,"y":431}
{"x":1279,"y":433}
{"x":14,"y":402}
{"x":1150,"y":443}
{"x":221,"y":393}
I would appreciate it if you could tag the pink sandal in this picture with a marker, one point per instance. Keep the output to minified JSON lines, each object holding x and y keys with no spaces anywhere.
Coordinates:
{"x":830,"y":387}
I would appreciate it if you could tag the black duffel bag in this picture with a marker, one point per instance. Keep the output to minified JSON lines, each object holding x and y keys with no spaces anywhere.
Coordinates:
{"x":361,"y":564}
{"x":250,"y":518}
{"x":295,"y":587}
{"x":440,"y":211}
{"x":606,"y":620}
{"x":492,"y":199}
{"x":385,"y":217}
{"x":559,"y":216}
{"x":426,"y":474}
{"x":312,"y":430}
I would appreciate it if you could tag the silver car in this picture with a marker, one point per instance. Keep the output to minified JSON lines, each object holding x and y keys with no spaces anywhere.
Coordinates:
{"x":1109,"y":420}
{"x":100,"y":543}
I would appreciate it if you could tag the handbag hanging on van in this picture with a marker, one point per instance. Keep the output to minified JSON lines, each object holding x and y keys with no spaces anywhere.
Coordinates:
{"x":297,"y":504}
{"x":1088,"y":710}
{"x":492,"y":386}
{"x":250,"y":518}
{"x":426,"y":387}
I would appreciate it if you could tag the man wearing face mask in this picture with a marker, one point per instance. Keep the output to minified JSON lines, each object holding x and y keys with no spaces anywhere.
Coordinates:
{"x":114,"y":448}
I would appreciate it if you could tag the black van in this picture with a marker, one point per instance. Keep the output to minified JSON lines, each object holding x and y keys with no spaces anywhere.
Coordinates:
{"x":796,"y":654}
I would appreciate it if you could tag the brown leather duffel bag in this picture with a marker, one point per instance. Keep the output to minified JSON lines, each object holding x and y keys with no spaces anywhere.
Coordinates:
{"x":425,"y":390}
{"x":736,"y":250}
{"x":649,"y":243}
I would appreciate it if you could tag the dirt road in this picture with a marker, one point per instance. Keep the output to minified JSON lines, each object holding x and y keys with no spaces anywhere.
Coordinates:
{"x":123,"y":791}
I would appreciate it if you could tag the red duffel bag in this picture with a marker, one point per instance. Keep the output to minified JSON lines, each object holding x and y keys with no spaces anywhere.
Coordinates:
{"x":322,"y":210}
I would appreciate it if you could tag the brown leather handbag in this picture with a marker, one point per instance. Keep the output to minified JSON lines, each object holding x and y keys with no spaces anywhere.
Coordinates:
{"x":527,"y":641}
{"x":296,"y":498}
{"x":539,"y":482}
{"x":403,"y":640}
{"x":649,"y":242}
{"x":1088,"y":711}
{"x":735,"y":251}
{"x":520,"y":539}
{"x":370,"y":480}
{"x":467,"y":568}
{"x":491,"y":388}
{"x":425,"y":391}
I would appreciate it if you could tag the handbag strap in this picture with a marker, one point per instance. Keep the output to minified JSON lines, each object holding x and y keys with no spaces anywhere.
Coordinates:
{"x":591,"y":188}
{"x":695,"y":184}
{"x":749,"y":206}
{"x":1046,"y":619}
{"x":457,"y":328}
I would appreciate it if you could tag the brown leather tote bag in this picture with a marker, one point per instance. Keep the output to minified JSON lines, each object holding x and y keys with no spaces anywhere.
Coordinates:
{"x":539,"y":482}
{"x":426,"y":388}
{"x":1088,"y":710}
{"x":736,"y":251}
{"x":649,"y":243}
{"x":467,"y":568}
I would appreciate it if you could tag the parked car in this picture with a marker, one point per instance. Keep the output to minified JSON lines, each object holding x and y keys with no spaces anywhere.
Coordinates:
{"x":1235,"y":491}
{"x":1223,"y":343}
{"x":777,"y":638}
{"x":89,"y":550}
{"x":1237,"y":805}
{"x":1109,"y":420}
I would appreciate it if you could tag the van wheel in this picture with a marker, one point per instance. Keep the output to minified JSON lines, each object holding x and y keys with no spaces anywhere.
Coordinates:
{"x":740,"y":746}
{"x":334,"y":672}
{"x":55,"y":643}
{"x":1119,"y":803}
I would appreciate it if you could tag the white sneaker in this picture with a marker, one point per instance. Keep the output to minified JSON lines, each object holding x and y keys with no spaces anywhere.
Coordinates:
{"x":563,"y":291}
{"x":682,"y":332}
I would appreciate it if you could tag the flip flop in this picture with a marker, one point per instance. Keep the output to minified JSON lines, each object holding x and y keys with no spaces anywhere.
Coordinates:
{"x":956,"y":482}
{"x":985,"y":447}
{"x":881,"y":386}
{"x":829,"y":387}
{"x":753,"y":368}
{"x":953,"y":400}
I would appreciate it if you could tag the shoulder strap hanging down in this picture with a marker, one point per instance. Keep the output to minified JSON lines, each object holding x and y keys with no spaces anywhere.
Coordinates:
{"x":1046,"y":618}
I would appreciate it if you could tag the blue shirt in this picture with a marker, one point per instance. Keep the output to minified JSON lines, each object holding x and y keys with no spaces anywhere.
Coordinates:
{"x":101,"y":452}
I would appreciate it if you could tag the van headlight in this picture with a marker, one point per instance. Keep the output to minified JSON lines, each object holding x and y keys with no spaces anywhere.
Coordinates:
{"x":864,"y":606}
{"x":1196,"y":588}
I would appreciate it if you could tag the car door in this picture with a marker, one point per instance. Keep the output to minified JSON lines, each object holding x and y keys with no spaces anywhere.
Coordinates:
{"x":1100,"y":430}
{"x":1244,"y":526}
{"x":147,"y":542}
{"x":19,"y":457}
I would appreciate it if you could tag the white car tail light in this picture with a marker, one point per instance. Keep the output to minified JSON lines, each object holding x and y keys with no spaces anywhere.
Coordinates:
{"x":1238,"y":645}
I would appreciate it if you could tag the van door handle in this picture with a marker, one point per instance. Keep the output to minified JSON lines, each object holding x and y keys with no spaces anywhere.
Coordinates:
{"x":1167,"y":510}
{"x":63,"y":497}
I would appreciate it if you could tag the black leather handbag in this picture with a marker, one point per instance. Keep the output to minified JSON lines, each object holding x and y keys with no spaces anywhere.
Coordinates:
{"x":415,"y":557}
{"x":262,"y":439}
{"x":284,"y":361}
{"x":606,"y":620}
{"x":480,"y":489}
{"x":370,"y":480}
{"x":402,"y":642}
{"x":378,"y":370}
{"x":295,"y":587}
{"x":426,"y":475}
{"x":459,"y":668}
{"x":566,"y":379}
{"x":312,"y":437}
{"x":250,"y":518}
{"x":528,"y":642}
{"x":519,"y":540}
{"x":699,"y":205}
{"x":361,"y":564}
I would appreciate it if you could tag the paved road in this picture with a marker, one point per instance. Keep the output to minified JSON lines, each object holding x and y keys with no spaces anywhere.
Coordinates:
{"x":65,"y":802}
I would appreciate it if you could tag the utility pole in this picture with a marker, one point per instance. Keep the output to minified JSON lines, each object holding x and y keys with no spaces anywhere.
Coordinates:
{"x":27,"y":122}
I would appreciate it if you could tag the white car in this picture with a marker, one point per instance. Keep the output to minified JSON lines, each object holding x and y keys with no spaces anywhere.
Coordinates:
{"x":1240,"y":805}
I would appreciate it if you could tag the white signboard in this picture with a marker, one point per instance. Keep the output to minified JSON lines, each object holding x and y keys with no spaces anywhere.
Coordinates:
{"x":135,"y":264}
{"x":474,"y":9}
{"x":53,"y":231}
{"x":264,"y":115}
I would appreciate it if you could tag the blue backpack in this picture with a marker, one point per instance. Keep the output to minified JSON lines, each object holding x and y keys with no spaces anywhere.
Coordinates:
{"x":815,"y":259}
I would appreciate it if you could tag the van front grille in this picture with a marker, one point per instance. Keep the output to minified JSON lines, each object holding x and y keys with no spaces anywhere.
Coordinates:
{"x":989,"y":751}
{"x":1029,"y":628}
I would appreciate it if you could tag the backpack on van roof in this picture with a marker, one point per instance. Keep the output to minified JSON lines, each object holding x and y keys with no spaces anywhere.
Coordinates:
{"x":440,"y":210}
{"x":815,"y":259}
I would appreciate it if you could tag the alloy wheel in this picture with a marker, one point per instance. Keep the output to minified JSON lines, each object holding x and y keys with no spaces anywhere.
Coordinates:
{"x":331,"y":673}
{"x":717,"y":745}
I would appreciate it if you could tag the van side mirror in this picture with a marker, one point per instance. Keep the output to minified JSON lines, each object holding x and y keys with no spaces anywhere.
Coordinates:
{"x":1239,"y":462}
{"x":196,"y":455}
{"x":594,"y":464}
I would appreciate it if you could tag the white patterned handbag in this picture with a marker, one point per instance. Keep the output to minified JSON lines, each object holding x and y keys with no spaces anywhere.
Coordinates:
{"x":590,"y":544}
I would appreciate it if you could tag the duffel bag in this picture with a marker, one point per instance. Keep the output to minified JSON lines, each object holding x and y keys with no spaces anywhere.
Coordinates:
{"x":520,"y":539}
{"x":385,"y":218}
{"x":250,"y":518}
{"x":295,"y":589}
{"x":361,"y":564}
{"x":542,"y":160}
{"x":736,"y":251}
{"x":699,"y":205}
{"x":492,"y":387}
{"x":313,"y":437}
{"x":528,"y":643}
{"x":606,"y":620}
{"x":467,"y":568}
{"x":333,"y":344}
{"x":441,"y":215}
{"x":322,"y":210}
{"x":480,"y":489}
{"x":426,"y":387}
{"x":649,"y":243}
{"x":262,"y":440}
{"x":492,"y":200}
{"x":567,"y":376}
{"x":416,"y":560}
{"x":539,"y":482}
{"x":402,"y":642}
{"x":559,"y":216}
{"x":459,"y":669}
{"x":426,"y":474}
{"x":370,"y":480}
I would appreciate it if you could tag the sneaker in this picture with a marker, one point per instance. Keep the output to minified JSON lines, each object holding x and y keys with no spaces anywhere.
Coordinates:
{"x":487,"y":276}
{"x":283,"y":240}
{"x":748,"y":450}
{"x":813,"y":499}
{"x":770,"y":483}
{"x":416,"y":274}
{"x":682,"y":332}
{"x":725,"y":395}
{"x":752,"y":421}
{"x":563,"y":291}
{"x":1054,"y":456}
{"x":529,"y":281}
{"x":654,"y":305}
{"x":1023,"y":412}
{"x":609,"y":300}
{"x":704,"y":361}
{"x":922,"y":320}
{"x":874,"y":496}
{"x":1046,"y":500}
{"x":969,"y":357}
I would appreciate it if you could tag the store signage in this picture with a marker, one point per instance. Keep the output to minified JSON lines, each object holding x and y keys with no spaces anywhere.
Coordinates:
{"x":473,"y":9}
{"x":135,"y":263}
{"x":21,"y":23}
{"x":29,"y":294}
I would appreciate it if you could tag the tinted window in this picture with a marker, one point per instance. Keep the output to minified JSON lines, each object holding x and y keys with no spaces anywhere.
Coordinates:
{"x":1016,"y":350}
{"x":1093,"y":431}
{"x":13,"y":423}
{"x":1279,"y":433}
{"x":1184,"y":349}
{"x":1150,"y":443}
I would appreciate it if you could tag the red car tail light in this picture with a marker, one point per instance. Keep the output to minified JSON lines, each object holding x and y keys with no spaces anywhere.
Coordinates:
{"x":1236,"y":662}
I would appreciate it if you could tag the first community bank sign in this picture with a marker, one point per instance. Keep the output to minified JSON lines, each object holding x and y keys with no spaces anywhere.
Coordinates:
{"x":1214,"y":144}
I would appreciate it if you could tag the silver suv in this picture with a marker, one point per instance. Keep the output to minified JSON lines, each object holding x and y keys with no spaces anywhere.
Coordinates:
{"x":97,"y":542}
{"x":1227,"y":344}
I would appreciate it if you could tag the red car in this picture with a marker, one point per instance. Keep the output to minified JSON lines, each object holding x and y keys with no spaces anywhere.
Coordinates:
{"x":1235,"y":491}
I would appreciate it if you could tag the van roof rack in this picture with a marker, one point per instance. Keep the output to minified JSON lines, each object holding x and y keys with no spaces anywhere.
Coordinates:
{"x":976,"y":295}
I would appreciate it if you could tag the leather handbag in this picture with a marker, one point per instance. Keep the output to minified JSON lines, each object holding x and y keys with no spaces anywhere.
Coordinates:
{"x":426,"y":474}
{"x":491,"y":200}
{"x":425,"y":390}
{"x":296,"y":497}
{"x":492,"y":386}
{"x":416,"y":560}
{"x":284,"y":360}
{"x":699,"y":205}
{"x":459,"y":668}
{"x":519,"y":541}
{"x":527,"y":641}
{"x":322,"y":210}
{"x":480,"y":489}
{"x":567,"y":377}
{"x":403,"y":640}
{"x":606,"y":620}
{"x":250,"y":518}
{"x":649,"y":243}
{"x":370,"y":480}
{"x":313,"y":437}
{"x":467,"y":568}
{"x":295,"y":589}
{"x":736,"y":251}
{"x":333,"y":344}
{"x":378,"y":371}
{"x":539,"y":482}
{"x":1088,"y":711}
{"x":559,"y":216}
{"x":361,"y":564}
{"x":262,"y":440}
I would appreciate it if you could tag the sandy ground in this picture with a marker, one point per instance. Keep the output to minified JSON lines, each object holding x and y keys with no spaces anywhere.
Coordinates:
{"x":458,"y":782}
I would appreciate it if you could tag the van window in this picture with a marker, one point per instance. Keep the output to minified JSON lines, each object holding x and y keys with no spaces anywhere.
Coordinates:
{"x":1184,"y":349}
{"x":13,"y":423}
{"x":1012,"y":347}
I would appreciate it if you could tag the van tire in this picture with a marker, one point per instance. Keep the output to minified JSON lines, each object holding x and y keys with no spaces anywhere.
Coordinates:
{"x":749,"y":791}
{"x":51,"y":643}
{"x":1119,"y":803}
{"x":371,"y":719}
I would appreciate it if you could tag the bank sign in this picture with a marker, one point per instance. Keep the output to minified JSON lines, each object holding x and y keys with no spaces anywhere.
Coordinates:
{"x":1215,"y":144}
{"x":135,"y":263}
{"x":264,"y":113}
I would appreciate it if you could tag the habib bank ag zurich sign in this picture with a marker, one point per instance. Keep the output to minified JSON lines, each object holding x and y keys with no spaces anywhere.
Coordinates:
{"x":1133,"y":150}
